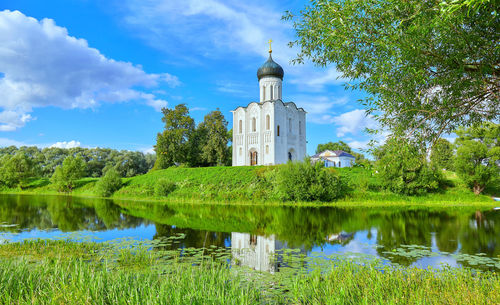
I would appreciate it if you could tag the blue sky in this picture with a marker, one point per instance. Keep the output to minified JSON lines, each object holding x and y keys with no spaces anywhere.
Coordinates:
{"x":96,"y":73}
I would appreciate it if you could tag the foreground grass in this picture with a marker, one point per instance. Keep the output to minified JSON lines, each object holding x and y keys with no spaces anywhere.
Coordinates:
{"x":242,"y":185}
{"x":62,"y":272}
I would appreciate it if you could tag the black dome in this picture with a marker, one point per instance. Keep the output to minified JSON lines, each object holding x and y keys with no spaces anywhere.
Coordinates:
{"x":270,"y":68}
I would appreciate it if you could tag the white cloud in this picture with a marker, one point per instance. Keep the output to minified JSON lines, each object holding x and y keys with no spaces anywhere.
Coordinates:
{"x":43,"y":66}
{"x":4,"y":142}
{"x":218,"y":29}
{"x":320,"y":109}
{"x":149,"y":150}
{"x":354,"y":122}
{"x":64,"y":144}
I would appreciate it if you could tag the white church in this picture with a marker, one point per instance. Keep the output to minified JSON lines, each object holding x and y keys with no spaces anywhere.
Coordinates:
{"x":270,"y":131}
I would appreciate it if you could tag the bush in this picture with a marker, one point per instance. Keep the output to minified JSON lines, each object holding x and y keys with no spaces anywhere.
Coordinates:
{"x":66,"y":175}
{"x":109,"y":183}
{"x":403,"y":169}
{"x":302,"y":181}
{"x":164,"y":187}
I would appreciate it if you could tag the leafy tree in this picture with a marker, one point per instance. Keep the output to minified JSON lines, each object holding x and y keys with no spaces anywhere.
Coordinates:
{"x":66,"y":175}
{"x":340,"y":145}
{"x":214,"y":149}
{"x":17,"y":169}
{"x":172,"y":144}
{"x":402,"y":168}
{"x":109,"y":183}
{"x":427,"y":66}
{"x":442,"y":154}
{"x":478,"y":155}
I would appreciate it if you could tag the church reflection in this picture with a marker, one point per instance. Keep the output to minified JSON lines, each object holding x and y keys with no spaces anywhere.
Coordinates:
{"x":260,"y":253}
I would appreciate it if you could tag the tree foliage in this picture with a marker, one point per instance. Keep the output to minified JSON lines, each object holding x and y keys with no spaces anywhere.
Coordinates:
{"x":478,"y":155}
{"x":214,"y":150}
{"x":15,"y":170}
{"x":427,"y":66}
{"x":109,"y":183}
{"x":172,"y":145}
{"x":66,"y":175}
{"x":403,"y":169}
{"x":442,"y":154}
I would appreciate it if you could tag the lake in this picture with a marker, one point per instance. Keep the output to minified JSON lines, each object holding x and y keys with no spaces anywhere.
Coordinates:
{"x":407,"y":236}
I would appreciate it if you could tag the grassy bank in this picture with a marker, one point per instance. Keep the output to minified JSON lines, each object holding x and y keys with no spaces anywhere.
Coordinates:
{"x":243,"y":185}
{"x":62,"y":272}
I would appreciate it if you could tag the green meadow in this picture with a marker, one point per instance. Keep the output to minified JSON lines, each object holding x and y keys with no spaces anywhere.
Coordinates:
{"x":248,"y":185}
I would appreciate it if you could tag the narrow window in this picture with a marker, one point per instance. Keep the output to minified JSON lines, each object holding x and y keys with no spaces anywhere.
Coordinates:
{"x":268,"y":122}
{"x":290,"y":125}
{"x":339,"y":163}
{"x":290,"y":156}
{"x":278,"y":133}
{"x":334,"y":164}
{"x":271,"y":92}
{"x":267,"y":149}
{"x":241,"y":126}
{"x":241,"y":151}
{"x":263,"y":93}
{"x":254,"y":124}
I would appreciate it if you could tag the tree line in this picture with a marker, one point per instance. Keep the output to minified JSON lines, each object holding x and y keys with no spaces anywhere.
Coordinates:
{"x":18,"y":165}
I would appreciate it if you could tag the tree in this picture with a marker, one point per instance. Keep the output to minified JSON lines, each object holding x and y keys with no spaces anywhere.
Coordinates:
{"x":427,"y":66}
{"x":17,"y":169}
{"x":172,"y":144}
{"x":442,"y":154}
{"x":340,"y":145}
{"x":109,"y":183}
{"x":214,"y":148}
{"x":66,"y":175}
{"x":478,"y":154}
{"x":402,"y":168}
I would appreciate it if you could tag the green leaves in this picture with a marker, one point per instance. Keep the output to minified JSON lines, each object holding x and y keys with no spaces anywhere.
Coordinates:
{"x":67,"y":174}
{"x":426,"y":70}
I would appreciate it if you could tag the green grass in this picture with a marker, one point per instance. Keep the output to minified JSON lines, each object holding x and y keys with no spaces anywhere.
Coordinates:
{"x":243,"y":185}
{"x":63,"y":272}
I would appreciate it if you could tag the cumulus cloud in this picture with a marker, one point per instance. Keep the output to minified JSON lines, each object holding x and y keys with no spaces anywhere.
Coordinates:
{"x":43,"y":66}
{"x":320,"y":109}
{"x":354,"y":122}
{"x":64,"y":144}
{"x":215,"y":29}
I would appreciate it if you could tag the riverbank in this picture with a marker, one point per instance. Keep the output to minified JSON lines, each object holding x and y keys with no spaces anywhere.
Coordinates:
{"x":47,"y":272}
{"x":244,"y":185}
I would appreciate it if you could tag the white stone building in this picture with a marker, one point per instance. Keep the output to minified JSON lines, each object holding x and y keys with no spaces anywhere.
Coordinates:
{"x":334,"y":158}
{"x":269,"y":131}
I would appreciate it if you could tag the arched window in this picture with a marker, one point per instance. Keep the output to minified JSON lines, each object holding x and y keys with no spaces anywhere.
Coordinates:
{"x":290,"y":125}
{"x":290,"y":156}
{"x":268,"y":122}
{"x":267,"y":149}
{"x":278,"y":131}
{"x":254,"y":124}
{"x":300,"y":128}
{"x":334,"y":164}
{"x":271,"y":87}
{"x":339,"y":163}
{"x":240,"y":126}
{"x":241,"y":151}
{"x":263,"y":93}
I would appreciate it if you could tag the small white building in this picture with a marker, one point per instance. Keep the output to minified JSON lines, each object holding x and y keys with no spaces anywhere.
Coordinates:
{"x":270,"y":131}
{"x":334,"y":158}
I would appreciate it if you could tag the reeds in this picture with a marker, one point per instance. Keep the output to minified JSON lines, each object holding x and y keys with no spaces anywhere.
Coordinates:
{"x":64,"y":272}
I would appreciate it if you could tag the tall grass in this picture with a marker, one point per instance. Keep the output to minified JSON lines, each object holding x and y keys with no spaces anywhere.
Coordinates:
{"x":61,"y":272}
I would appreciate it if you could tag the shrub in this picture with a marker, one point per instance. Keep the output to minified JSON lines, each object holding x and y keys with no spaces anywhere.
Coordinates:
{"x":66,"y":175}
{"x":164,"y":187}
{"x":403,"y":169}
{"x":109,"y":183}
{"x":302,"y":181}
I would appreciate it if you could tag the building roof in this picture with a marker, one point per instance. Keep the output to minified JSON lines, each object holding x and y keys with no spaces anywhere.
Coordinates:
{"x":287,"y":104}
{"x":270,"y":68}
{"x":333,"y":153}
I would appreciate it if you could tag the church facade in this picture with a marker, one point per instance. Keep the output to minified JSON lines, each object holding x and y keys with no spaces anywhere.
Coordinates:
{"x":270,"y":131}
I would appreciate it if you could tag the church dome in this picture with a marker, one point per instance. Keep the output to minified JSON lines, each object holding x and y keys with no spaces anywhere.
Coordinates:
{"x":270,"y":68}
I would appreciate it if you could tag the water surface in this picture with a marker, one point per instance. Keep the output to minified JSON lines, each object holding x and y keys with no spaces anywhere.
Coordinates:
{"x":407,"y":236}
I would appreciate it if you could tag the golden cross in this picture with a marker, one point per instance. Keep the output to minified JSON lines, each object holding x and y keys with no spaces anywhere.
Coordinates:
{"x":270,"y":49}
